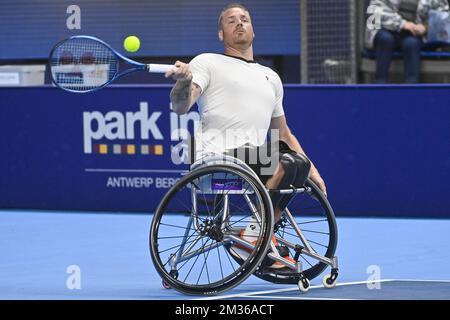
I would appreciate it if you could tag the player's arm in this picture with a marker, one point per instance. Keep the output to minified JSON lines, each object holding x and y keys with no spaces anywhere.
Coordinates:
{"x":286,"y":135}
{"x":184,"y":93}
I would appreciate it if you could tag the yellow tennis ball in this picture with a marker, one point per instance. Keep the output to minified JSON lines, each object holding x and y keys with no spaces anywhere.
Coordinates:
{"x":132,"y":43}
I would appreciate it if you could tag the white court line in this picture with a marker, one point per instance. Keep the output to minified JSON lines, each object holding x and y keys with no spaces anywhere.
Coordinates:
{"x":362,"y":282}
{"x":294,"y":288}
{"x":135,"y":170}
{"x":337,"y":285}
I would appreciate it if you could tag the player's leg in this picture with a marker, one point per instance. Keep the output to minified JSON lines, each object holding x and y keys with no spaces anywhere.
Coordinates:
{"x":283,"y":178}
{"x":292,"y":171}
{"x":303,"y":166}
{"x":289,"y":171}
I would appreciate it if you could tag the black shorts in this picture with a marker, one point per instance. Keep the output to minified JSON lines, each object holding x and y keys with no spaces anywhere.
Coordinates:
{"x":262,"y":160}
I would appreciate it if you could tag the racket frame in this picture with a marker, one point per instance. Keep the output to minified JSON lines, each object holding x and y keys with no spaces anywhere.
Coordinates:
{"x":137,"y":65}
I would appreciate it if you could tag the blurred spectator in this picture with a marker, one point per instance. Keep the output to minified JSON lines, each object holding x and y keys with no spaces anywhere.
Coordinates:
{"x":399,"y":25}
{"x":438,"y":28}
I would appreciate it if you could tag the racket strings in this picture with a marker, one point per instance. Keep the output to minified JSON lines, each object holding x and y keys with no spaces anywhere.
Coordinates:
{"x":82,"y":64}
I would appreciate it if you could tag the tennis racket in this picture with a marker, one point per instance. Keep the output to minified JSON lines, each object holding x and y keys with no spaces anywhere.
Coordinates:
{"x":84,"y":63}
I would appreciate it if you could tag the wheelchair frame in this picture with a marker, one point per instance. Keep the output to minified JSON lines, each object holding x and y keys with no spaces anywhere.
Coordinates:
{"x":212,"y":230}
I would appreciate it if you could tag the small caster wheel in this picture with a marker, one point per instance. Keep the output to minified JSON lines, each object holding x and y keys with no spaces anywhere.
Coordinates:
{"x":166,"y":285}
{"x":329,"y":281}
{"x":303,"y":284}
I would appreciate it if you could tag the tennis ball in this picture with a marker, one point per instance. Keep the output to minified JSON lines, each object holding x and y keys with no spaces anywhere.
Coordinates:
{"x":132,"y":43}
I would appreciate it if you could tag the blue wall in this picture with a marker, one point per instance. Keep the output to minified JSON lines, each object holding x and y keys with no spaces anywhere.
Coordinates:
{"x":383,"y":151}
{"x":29,"y":29}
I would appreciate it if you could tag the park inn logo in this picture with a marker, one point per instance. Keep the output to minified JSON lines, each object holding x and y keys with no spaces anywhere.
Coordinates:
{"x":128,"y":149}
{"x":116,"y":132}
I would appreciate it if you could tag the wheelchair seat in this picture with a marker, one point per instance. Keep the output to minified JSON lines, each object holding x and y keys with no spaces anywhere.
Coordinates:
{"x":221,"y":182}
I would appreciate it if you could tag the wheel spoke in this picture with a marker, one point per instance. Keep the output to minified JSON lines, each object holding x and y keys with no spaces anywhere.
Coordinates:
{"x":205,"y":263}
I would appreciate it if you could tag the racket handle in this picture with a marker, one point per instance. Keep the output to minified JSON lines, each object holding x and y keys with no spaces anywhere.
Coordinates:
{"x":159,"y":68}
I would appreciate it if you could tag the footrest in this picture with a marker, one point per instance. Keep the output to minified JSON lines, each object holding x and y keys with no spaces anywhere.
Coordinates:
{"x":285,"y":272}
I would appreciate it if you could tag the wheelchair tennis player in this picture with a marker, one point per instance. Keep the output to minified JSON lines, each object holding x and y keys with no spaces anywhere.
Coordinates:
{"x":235,"y":220}
{"x":239,"y":101}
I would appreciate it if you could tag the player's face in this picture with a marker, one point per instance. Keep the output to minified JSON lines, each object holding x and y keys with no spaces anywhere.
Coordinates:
{"x":237,"y":27}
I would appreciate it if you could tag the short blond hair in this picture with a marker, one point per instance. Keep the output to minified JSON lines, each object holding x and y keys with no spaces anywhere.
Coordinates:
{"x":230,"y":6}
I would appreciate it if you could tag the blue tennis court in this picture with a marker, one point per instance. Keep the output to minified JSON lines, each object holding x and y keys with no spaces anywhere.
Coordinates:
{"x":42,"y":251}
{"x":229,"y":148}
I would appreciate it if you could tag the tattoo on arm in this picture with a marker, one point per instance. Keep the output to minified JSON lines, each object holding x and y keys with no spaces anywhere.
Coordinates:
{"x":183,"y":96}
{"x":181,"y":92}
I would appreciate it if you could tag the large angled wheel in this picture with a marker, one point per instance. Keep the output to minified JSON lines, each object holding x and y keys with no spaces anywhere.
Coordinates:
{"x":195,"y":232}
{"x":314,"y":216}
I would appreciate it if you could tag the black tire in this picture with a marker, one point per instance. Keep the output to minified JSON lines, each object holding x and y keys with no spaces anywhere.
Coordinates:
{"x":328,"y":228}
{"x":164,"y":223}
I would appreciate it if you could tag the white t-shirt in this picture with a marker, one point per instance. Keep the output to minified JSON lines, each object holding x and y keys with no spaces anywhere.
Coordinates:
{"x":238,"y":100}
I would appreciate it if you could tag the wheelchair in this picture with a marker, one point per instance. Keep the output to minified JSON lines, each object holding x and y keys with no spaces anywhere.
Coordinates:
{"x":196,"y":231}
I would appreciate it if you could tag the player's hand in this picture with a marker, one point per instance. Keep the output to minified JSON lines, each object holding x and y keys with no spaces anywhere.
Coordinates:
{"x":181,"y":72}
{"x":317,"y":179}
